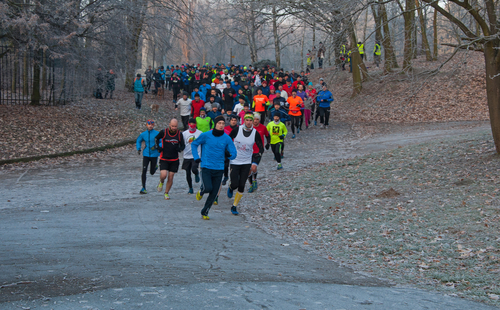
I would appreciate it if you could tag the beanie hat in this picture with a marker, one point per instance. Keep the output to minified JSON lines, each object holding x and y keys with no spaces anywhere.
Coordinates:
{"x":256,"y":115}
{"x":276,"y":113}
{"x":214,"y":106}
{"x":219,"y":118}
{"x":203,"y":109}
{"x":248,"y":115}
{"x":192,"y":121}
{"x":213,"y":84}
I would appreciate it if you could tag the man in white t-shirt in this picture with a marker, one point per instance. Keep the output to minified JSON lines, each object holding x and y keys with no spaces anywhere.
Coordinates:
{"x":244,"y":137}
{"x":185,"y":105}
{"x":188,"y":162}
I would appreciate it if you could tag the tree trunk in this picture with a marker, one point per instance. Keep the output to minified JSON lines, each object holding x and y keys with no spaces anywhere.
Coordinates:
{"x":435,"y":39}
{"x":378,"y":26}
{"x":492,"y":61}
{"x":25,"y":74}
{"x":134,"y":24}
{"x":364,"y":28}
{"x":389,"y":56}
{"x":408,"y":15}
{"x":44,"y":69}
{"x":357,"y":85}
{"x":302,"y":48}
{"x":35,"y":94}
{"x":277,"y":51}
{"x":423,"y":27}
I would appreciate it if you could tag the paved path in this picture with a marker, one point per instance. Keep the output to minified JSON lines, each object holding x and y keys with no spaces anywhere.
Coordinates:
{"x":80,"y":236}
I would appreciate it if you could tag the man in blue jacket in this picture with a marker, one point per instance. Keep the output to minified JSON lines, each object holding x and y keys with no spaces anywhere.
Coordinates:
{"x":214,"y":145}
{"x":324,"y":99}
{"x":149,"y":154}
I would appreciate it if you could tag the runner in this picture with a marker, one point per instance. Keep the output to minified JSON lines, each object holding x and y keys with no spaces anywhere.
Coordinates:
{"x":171,"y":145}
{"x":296,"y":104}
{"x":284,"y":118}
{"x":256,"y":157}
{"x":214,"y":145}
{"x":203,"y":122}
{"x":233,"y":123}
{"x":244,"y":137}
{"x":260,"y":104}
{"x":188,"y":163}
{"x":149,"y":154}
{"x":185,"y":105}
{"x":278,"y":133}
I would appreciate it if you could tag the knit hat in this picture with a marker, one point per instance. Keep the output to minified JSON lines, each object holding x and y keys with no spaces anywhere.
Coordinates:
{"x":213,"y":84}
{"x":248,"y":116}
{"x":203,"y":109}
{"x":276,"y":113}
{"x":219,"y":118}
{"x":214,"y":106}
{"x":256,"y":115}
{"x":192,"y":121}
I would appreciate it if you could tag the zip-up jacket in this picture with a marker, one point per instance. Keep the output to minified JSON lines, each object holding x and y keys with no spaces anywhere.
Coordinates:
{"x":149,"y":139}
{"x":213,"y":150}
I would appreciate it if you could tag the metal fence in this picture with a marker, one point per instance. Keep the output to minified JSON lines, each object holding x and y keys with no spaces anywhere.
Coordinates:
{"x":35,"y":77}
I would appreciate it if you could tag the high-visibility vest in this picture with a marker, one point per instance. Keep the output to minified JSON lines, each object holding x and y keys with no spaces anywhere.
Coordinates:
{"x":349,"y":56}
{"x":376,"y":49}
{"x":342,"y":49}
{"x":361,"y":48}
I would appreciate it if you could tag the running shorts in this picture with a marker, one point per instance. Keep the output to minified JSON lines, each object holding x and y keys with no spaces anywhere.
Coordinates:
{"x":172,"y":166}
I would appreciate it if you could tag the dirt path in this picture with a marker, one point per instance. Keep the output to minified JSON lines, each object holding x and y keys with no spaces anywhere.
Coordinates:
{"x":78,"y":228}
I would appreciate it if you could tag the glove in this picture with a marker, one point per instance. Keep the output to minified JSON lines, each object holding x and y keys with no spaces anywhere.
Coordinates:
{"x":282,"y":137}
{"x":267,"y":146}
{"x":138,"y":152}
{"x":159,"y":149}
{"x":227,"y":154}
{"x":197,"y":161}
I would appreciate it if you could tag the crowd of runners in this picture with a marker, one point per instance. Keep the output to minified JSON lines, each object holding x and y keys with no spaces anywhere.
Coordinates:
{"x":223,"y":112}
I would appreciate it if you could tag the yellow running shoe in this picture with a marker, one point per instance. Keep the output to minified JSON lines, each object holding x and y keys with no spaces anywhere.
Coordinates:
{"x":160,"y":186}
{"x":198,"y":195}
{"x":205,"y":217}
{"x":167,"y":197}
{"x":216,"y":201}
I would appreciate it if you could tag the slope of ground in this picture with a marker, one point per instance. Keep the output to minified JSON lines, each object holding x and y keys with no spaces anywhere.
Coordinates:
{"x":456,"y":92}
{"x":32,"y":131}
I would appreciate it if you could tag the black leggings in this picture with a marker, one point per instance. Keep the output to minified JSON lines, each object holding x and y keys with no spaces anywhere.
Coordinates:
{"x":324,"y":115}
{"x":239,"y":176}
{"x":211,"y":181}
{"x":226,"y":167}
{"x":295,"y":122}
{"x":277,"y":149}
{"x":185,"y":121}
{"x":190,"y":166}
{"x":145,"y":163}
{"x":177,"y":91}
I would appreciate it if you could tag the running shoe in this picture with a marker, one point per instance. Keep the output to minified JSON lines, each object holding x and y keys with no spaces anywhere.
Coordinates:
{"x":326,"y":126}
{"x":160,"y":186}
{"x":199,"y":195}
{"x":197,"y":178}
{"x":234,"y":211}
{"x":250,"y":190}
{"x":205,"y":217}
{"x":282,"y":155}
{"x":321,"y":127}
{"x":293,"y":137}
{"x":315,"y":123}
{"x":167,"y":197}
{"x":255,"y":186}
{"x":298,"y":130}
{"x":190,"y":191}
{"x":229,"y":192}
{"x":216,"y":201}
{"x":143,"y":191}
{"x":224,"y":181}
{"x":280,"y":166}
